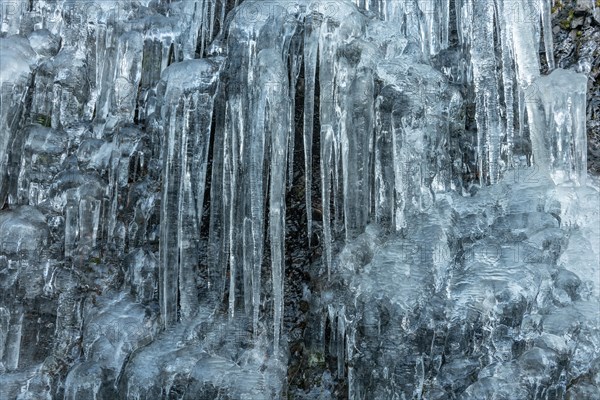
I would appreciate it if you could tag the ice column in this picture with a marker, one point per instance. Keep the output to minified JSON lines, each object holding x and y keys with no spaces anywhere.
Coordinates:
{"x":346,"y":115}
{"x":277,"y":129}
{"x":561,"y":107}
{"x":189,"y":88}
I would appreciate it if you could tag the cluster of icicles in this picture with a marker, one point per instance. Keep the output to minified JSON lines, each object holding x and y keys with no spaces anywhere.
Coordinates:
{"x":215,"y":74}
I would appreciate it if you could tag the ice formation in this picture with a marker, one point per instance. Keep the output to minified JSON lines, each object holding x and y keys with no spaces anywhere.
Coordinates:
{"x":148,"y":152}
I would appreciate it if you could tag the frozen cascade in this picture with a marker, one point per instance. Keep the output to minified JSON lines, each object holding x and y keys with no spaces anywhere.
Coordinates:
{"x":149,"y":152}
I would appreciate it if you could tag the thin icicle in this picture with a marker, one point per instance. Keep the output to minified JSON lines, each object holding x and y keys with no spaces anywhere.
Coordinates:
{"x":212,"y":19}
{"x":203,"y":29}
{"x":232,"y":167}
{"x":350,"y":345}
{"x":311,"y":42}
{"x":256,"y":148}
{"x":331,"y":315}
{"x":341,"y":339}
{"x":277,"y":118}
{"x":247,"y":264}
{"x":545,"y":8}
{"x":326,"y":161}
{"x":296,"y":60}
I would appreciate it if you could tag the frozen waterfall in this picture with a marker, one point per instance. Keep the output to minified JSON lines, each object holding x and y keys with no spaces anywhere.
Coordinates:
{"x":227,"y":199}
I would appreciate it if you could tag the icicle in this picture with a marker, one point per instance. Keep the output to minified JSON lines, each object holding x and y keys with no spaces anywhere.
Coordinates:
{"x":486,"y":92}
{"x":294,"y":66}
{"x":525,"y":46}
{"x":345,"y":149}
{"x":168,"y":278}
{"x":311,"y":41}
{"x":357,"y":139}
{"x":337,"y":191}
{"x":257,"y":199}
{"x":14,"y":339}
{"x":545,"y":8}
{"x":195,"y":19}
{"x":222,"y":19}
{"x":327,"y":53}
{"x":71,"y":229}
{"x":384,"y":173}
{"x":128,"y":71}
{"x":444,"y":25}
{"x":522,"y":111}
{"x":350,"y":345}
{"x":508,"y":77}
{"x":216,"y":246}
{"x":400,"y":163}
{"x":89,"y":216}
{"x":276,"y":112}
{"x":326,"y":166}
{"x":436,"y":18}
{"x":341,"y":339}
{"x":231,"y":176}
{"x":203,"y":30}
{"x":189,"y":92}
{"x":332,"y":316}
{"x":211,"y":23}
{"x":247,"y":265}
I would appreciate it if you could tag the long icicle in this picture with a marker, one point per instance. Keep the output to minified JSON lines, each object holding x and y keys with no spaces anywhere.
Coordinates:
{"x":311,"y":41}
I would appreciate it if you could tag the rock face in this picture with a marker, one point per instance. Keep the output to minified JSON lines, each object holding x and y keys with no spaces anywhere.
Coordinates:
{"x":226,"y":199}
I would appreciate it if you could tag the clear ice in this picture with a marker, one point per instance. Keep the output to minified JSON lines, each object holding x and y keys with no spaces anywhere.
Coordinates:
{"x":149,"y":151}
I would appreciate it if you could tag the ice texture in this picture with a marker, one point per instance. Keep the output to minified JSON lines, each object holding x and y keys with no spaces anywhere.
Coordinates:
{"x":477,"y":299}
{"x":152,"y":154}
